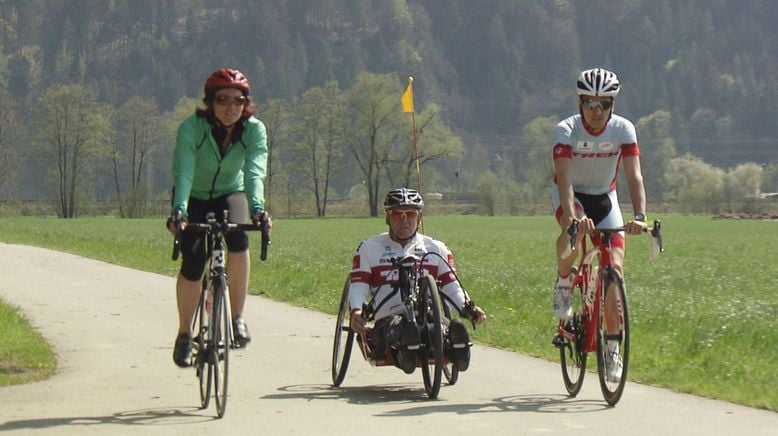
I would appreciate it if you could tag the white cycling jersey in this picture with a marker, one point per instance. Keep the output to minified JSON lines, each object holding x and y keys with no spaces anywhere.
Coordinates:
{"x":372,"y":273}
{"x":595,"y":155}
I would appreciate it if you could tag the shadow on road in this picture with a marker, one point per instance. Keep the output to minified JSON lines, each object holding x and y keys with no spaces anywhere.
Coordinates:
{"x":152,"y":417}
{"x":401,"y":393}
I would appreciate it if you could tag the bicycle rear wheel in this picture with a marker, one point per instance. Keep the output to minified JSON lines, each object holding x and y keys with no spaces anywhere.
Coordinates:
{"x":570,"y":342}
{"x":203,"y":370}
{"x":432,"y":336}
{"x":220,"y":344}
{"x":344,"y":340}
{"x":612,"y":362}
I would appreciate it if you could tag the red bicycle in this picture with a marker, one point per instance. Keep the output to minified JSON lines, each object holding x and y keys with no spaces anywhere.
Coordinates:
{"x":600,"y":320}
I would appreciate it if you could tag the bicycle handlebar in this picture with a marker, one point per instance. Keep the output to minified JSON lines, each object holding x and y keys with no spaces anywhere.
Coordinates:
{"x":655,"y":231}
{"x":224,"y":226}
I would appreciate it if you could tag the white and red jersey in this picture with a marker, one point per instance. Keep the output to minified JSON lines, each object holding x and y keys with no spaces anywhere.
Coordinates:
{"x":596,"y":156}
{"x":373,"y":276}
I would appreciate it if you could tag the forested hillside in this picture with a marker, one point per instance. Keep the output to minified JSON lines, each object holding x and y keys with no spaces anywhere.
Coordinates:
{"x":700,"y":74}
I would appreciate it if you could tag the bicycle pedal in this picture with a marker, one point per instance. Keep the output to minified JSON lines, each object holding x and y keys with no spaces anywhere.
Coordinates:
{"x":558,"y":341}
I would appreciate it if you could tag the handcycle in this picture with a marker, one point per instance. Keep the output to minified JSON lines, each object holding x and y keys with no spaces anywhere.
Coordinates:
{"x":212,"y":323}
{"x":587,"y":330}
{"x":425,"y":306}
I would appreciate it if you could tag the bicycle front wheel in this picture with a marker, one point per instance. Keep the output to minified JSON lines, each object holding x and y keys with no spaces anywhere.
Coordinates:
{"x":344,"y":340}
{"x":432,"y":335}
{"x":203,"y":369}
{"x":613,"y":348}
{"x":570,"y":342}
{"x":220,"y":345}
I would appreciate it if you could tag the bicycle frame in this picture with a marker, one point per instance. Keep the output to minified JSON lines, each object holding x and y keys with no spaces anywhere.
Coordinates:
{"x":590,"y":289}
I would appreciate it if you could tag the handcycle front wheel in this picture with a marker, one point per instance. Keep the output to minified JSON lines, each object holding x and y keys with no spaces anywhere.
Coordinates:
{"x":344,"y":340}
{"x":612,"y":382}
{"x":450,"y":370}
{"x":431,"y":354}
{"x":220,"y":344}
{"x":571,"y":349}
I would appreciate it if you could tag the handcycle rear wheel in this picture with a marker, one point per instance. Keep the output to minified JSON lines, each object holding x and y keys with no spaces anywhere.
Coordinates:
{"x":613,"y":388}
{"x":571,"y":351}
{"x":344,"y":340}
{"x":431,"y":354}
{"x":204,"y":371}
{"x":220,"y":344}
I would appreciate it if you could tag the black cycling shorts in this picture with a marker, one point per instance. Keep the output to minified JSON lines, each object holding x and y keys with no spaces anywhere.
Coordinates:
{"x":596,"y":207}
{"x":193,"y":243}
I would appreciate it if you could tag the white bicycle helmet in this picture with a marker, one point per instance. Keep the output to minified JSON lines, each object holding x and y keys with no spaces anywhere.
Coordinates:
{"x":403,"y":197}
{"x":598,"y":82}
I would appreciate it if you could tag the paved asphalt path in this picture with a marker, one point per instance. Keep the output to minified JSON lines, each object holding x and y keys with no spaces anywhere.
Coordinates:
{"x":113,"y":330}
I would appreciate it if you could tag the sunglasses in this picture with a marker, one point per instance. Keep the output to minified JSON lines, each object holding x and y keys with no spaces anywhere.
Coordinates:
{"x":594,"y":104}
{"x":404,"y":214}
{"x":224,"y":100}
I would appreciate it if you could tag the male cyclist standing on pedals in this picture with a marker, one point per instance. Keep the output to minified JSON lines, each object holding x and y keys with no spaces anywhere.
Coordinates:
{"x":219,"y":164}
{"x":374,"y":278}
{"x":589,"y":149}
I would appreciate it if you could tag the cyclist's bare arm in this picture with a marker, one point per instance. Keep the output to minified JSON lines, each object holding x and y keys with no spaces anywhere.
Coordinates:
{"x":637,"y":194}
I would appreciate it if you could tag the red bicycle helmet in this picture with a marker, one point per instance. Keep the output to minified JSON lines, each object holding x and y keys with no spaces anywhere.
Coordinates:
{"x":227,"y":78}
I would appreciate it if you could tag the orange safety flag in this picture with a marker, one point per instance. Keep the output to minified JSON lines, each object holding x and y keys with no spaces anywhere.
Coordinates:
{"x":407,"y":98}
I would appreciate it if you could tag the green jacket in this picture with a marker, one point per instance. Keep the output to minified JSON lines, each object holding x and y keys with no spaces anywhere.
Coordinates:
{"x":200,"y":171}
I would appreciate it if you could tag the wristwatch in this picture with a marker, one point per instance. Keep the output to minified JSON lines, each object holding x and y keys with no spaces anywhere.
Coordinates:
{"x":640,"y":217}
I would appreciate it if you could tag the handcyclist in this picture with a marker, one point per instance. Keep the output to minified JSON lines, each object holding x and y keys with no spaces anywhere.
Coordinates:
{"x":590,"y":147}
{"x":219,"y":164}
{"x":373,"y":278}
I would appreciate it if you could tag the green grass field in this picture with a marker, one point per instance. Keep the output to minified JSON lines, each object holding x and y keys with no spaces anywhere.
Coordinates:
{"x":704,"y":315}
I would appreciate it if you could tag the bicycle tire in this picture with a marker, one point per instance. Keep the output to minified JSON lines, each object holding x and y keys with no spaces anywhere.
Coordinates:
{"x":203,"y":370}
{"x":343,"y":341}
{"x":613,"y":389}
{"x":432,"y":336}
{"x":572,"y":356}
{"x":450,"y":370}
{"x":221,"y":344}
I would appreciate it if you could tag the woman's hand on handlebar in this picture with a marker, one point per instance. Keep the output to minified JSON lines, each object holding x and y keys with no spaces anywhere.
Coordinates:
{"x":260,"y":217}
{"x":175,"y":222}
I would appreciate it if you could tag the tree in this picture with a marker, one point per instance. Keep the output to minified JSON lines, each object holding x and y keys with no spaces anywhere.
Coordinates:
{"x":488,"y":190}
{"x":372,"y":128}
{"x":276,"y":115}
{"x":71,"y":132}
{"x":538,"y":167}
{"x":657,"y":148}
{"x":742,"y":182}
{"x":434,"y":141}
{"x":695,"y":186}
{"x":319,"y":139}
{"x":139,"y":132}
{"x":9,"y":134}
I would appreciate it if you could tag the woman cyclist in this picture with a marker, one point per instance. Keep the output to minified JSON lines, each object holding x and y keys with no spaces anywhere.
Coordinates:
{"x":219,"y":164}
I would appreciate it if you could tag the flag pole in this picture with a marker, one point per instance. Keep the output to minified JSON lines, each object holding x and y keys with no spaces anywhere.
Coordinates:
{"x":408,"y":107}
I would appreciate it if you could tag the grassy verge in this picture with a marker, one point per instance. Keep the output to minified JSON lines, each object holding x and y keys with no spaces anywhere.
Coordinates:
{"x":704,"y":316}
{"x":25,"y":356}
